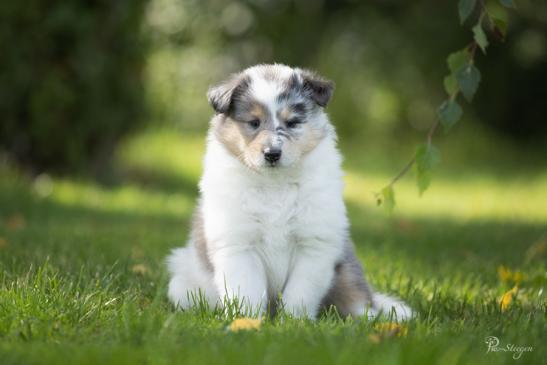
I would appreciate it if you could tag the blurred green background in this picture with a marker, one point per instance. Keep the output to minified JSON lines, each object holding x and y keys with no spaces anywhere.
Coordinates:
{"x":76,"y":76}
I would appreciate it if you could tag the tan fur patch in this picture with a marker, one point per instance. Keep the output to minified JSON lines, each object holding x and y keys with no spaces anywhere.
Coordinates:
{"x":228,"y":133}
{"x":285,"y":114}
{"x":312,"y":138}
{"x":258,"y":111}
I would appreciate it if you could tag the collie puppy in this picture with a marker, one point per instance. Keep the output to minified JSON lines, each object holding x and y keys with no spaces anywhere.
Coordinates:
{"x":270,"y":229}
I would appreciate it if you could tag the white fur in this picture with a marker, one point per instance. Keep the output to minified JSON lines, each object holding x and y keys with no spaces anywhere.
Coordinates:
{"x":264,"y":91}
{"x":280,"y":230}
{"x":189,"y":279}
{"x":391,"y":307}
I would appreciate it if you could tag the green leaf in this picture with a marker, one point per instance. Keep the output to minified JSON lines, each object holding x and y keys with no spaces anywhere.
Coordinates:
{"x":427,"y":157}
{"x":449,"y":114}
{"x":507,"y":3}
{"x":423,"y":180}
{"x":468,"y":78}
{"x":450,"y":84}
{"x":388,"y":198}
{"x":457,"y":59}
{"x":480,"y":37}
{"x":499,"y":28}
{"x":465,"y":8}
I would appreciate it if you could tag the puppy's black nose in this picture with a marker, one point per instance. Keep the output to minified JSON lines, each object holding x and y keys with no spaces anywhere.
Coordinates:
{"x":272,"y":154}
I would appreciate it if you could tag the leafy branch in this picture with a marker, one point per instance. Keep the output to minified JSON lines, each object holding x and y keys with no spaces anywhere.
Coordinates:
{"x":464,"y":79}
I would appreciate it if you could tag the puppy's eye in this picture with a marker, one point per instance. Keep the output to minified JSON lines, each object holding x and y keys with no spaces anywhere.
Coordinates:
{"x":254,"y":124}
{"x":293,"y":123}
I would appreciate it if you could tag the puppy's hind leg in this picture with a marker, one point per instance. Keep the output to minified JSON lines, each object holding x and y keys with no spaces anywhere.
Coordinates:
{"x":349,"y":293}
{"x":190,"y":282}
{"x":352,"y":296}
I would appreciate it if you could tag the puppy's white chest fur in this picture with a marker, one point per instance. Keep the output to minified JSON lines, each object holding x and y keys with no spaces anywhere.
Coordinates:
{"x":276,"y":218}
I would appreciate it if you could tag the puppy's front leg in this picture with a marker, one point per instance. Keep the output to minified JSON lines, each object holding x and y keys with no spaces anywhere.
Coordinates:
{"x":240,"y":275}
{"x":308,"y":283}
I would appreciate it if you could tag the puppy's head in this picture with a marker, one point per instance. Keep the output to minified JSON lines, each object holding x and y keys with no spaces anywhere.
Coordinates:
{"x":270,"y":116}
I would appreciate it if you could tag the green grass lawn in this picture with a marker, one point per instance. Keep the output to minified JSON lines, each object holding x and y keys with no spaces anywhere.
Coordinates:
{"x":82,"y":276}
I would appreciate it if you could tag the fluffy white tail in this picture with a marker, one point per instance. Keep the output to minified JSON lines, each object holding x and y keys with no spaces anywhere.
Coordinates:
{"x":391,"y":307}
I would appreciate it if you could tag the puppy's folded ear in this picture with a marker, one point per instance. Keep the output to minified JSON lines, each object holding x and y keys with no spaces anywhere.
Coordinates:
{"x":319,"y":89}
{"x":222,"y":96}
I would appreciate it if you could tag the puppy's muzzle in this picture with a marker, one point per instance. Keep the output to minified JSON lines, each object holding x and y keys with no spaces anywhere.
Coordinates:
{"x":272,"y":155}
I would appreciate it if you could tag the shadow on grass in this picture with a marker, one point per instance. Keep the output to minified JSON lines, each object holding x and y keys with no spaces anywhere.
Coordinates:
{"x":34,"y":228}
{"x":438,"y":242}
{"x":160,"y":181}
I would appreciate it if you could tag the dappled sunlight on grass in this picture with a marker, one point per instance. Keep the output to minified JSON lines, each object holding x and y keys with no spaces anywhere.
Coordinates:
{"x":127,"y":198}
{"x":472,"y":197}
{"x":166,"y":156}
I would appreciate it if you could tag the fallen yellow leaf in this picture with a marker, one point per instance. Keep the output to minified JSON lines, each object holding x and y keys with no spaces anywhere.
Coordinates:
{"x":507,"y":298}
{"x":3,"y":242}
{"x":504,"y":273}
{"x":140,"y":269}
{"x":374,"y":338}
{"x":406,"y":226}
{"x":391,"y":329}
{"x":518,"y":277}
{"x":15,"y":222}
{"x":245,"y":324}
